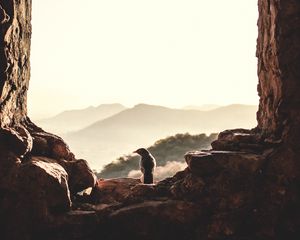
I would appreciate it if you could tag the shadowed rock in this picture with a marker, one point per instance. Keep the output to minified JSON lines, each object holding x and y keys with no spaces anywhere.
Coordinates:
{"x":46,"y":181}
{"x":113,"y":190}
{"x":81,"y":176}
{"x":206,"y":163}
{"x":16,"y":140}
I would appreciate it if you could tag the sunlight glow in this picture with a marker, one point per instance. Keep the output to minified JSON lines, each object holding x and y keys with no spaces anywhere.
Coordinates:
{"x":164,"y":52}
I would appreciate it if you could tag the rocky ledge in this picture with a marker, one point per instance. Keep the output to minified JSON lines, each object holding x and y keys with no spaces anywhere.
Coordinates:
{"x":220,"y":195}
{"x":39,"y":178}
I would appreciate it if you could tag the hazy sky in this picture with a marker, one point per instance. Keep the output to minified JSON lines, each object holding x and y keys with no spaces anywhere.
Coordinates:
{"x":166,"y":52}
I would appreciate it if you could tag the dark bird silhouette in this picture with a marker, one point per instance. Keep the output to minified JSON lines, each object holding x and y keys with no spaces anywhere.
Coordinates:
{"x":147,"y":165}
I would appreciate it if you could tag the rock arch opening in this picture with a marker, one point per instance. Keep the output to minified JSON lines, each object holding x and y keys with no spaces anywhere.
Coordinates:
{"x":176,"y":53}
{"x":252,"y":175}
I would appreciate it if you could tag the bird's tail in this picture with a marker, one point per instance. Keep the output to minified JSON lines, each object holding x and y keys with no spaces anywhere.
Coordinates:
{"x":148,"y":178}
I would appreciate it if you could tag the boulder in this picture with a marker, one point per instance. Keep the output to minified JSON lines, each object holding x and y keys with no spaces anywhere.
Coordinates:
{"x":207,"y":163}
{"x":238,"y":140}
{"x":80,"y":174}
{"x":45,"y":182}
{"x":50,"y":145}
{"x":17,"y":140}
{"x":113,"y":190}
{"x":35,"y":190}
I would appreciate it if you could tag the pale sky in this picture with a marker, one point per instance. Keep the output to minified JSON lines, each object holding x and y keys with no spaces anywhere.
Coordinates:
{"x":165,"y":52}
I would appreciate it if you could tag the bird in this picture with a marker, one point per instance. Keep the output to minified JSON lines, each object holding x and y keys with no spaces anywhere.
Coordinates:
{"x":147,"y":165}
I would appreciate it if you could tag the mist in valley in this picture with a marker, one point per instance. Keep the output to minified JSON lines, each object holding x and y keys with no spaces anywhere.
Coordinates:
{"x":107,"y":132}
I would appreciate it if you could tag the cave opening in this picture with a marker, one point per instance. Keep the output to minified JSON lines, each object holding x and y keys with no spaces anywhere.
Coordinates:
{"x":245,"y":187}
{"x":117,"y":49}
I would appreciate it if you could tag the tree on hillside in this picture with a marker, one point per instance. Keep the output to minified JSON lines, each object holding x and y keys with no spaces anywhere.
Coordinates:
{"x":170,"y":149}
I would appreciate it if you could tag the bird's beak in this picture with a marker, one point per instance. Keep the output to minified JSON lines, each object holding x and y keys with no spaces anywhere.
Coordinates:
{"x":134,"y":152}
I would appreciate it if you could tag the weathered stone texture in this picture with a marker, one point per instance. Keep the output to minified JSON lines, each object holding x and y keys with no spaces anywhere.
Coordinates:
{"x":39,"y":175}
{"x":278,"y":52}
{"x":15,"y":41}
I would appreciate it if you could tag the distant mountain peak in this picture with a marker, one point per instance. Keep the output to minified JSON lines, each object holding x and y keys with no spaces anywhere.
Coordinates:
{"x":148,"y":106}
{"x":73,"y":120}
{"x":142,"y":105}
{"x":111,"y":105}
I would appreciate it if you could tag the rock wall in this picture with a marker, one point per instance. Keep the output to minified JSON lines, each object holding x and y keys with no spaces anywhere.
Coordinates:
{"x":15,"y":20}
{"x":278,"y":52}
{"x":39,"y":175}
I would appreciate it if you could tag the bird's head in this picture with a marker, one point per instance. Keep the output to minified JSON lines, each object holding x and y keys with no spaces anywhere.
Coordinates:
{"x":142,"y":151}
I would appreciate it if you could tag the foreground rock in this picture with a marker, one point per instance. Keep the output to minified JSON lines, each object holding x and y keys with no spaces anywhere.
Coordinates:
{"x":47,"y":182}
{"x":208,"y":163}
{"x":113,"y":190}
{"x":168,"y":219}
{"x":205,"y":201}
{"x":80,"y":175}
{"x":227,"y":203}
{"x":34,"y":189}
{"x":219,"y":196}
{"x":37,"y":189}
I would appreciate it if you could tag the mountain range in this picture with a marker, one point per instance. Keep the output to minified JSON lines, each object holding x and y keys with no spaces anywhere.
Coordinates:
{"x":108,"y":138}
{"x":144,"y":120}
{"x":73,"y":120}
{"x":204,"y":107}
